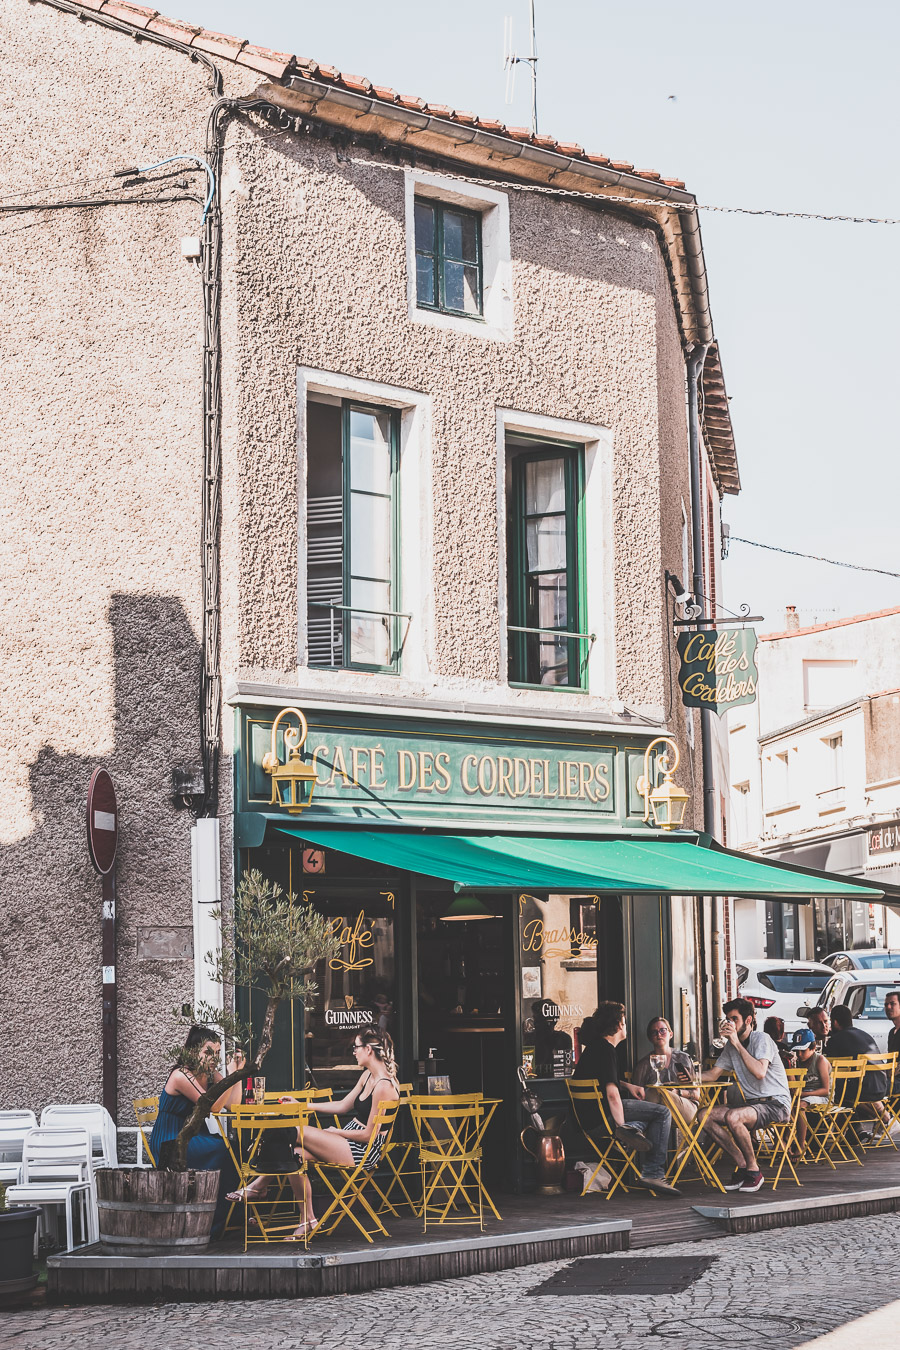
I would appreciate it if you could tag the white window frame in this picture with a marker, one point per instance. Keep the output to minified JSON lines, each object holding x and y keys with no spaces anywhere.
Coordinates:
{"x":496,"y":320}
{"x":599,"y":585}
{"x":415,"y":507}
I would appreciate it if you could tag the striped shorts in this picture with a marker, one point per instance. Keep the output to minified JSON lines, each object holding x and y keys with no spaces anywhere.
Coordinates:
{"x":358,"y":1150}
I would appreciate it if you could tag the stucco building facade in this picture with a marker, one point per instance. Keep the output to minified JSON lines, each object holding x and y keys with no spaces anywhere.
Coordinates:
{"x":172,"y":575}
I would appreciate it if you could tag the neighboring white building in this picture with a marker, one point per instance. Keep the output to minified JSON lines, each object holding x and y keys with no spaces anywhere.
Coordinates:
{"x":815,"y":779}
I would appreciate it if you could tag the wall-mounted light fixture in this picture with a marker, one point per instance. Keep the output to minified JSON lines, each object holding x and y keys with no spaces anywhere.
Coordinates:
{"x":293,"y":781}
{"x":665,"y":799}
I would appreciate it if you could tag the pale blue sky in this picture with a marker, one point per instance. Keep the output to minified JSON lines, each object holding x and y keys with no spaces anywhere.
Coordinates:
{"x":789,"y":105}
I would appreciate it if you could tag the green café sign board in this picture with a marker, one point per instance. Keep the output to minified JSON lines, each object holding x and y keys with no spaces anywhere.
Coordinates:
{"x":718,"y":670}
{"x":399,"y":769}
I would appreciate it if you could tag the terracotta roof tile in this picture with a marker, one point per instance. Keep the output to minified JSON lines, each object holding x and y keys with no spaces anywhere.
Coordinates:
{"x":468,"y":119}
{"x":570,"y":148}
{"x":138,"y":16}
{"x":329,"y":72}
{"x":518,"y":133}
{"x":673,"y":182}
{"x":490,"y":124}
{"x":358,"y":83}
{"x":276,"y":64}
{"x":219,"y":44}
{"x":410,"y":101}
{"x":93,"y":4}
{"x":307,"y":67}
{"x":386,"y":94}
{"x":597,"y":159}
{"x":621,"y":165}
{"x":173,"y":28}
{"x":440,"y":109}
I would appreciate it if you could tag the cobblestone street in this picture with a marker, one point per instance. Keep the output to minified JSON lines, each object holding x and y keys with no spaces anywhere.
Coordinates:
{"x":778,"y":1289}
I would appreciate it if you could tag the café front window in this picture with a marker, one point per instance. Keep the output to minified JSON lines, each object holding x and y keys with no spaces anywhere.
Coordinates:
{"x":558,"y":944}
{"x":356,"y":989}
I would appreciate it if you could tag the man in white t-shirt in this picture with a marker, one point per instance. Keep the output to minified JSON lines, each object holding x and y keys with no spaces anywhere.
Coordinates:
{"x":753,"y":1058}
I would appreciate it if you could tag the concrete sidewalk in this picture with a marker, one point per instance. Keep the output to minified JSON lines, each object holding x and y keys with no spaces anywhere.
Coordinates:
{"x":876,"y":1331}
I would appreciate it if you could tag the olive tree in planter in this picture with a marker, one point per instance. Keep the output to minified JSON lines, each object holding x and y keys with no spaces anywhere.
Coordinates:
{"x":272,"y":945}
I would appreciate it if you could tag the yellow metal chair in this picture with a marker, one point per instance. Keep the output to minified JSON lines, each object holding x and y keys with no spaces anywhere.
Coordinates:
{"x":354,"y":1179}
{"x":450,"y":1131}
{"x":146,"y":1109}
{"x":829,"y":1123}
{"x":891,"y":1106}
{"x":264,"y":1219}
{"x":588,"y":1102}
{"x":396,"y":1158}
{"x":872,"y":1064}
{"x":776,"y":1140}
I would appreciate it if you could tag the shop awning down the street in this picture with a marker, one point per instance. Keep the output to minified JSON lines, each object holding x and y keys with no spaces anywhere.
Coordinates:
{"x":693,"y":866}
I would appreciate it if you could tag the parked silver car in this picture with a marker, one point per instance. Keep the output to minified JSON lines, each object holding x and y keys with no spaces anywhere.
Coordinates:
{"x":864,"y":992}
{"x":867,"y":958}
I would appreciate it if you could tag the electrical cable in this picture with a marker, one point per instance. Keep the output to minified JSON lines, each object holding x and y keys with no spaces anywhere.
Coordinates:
{"x":814,"y":557}
{"x":174,"y":159}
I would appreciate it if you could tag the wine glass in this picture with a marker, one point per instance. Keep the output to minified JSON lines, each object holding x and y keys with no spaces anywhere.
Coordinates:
{"x":658,"y":1064}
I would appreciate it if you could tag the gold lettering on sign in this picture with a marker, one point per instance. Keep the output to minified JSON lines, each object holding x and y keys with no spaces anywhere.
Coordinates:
{"x":355,"y":940}
{"x":469,"y":762}
{"x":426,"y":769}
{"x":319,"y":750}
{"x":442,"y":769}
{"x":339,"y":766}
{"x":406,"y":770}
{"x":376,"y":768}
{"x":552,"y":942}
{"x":487,"y":784}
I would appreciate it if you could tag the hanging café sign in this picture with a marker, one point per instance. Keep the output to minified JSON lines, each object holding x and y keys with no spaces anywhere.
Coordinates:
{"x":718,"y":669}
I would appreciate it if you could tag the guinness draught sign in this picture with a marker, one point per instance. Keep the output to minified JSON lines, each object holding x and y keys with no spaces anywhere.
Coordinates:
{"x":718,"y":670}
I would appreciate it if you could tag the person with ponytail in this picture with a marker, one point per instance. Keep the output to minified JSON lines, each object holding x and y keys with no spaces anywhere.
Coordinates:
{"x":373,"y":1051}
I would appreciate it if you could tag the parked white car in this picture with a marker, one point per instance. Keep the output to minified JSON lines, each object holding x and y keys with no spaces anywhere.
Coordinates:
{"x":776,"y":987}
{"x":867,"y":958}
{"x":863,"y":991}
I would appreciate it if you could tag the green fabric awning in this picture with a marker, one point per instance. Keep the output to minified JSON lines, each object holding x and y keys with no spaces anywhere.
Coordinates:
{"x":510,"y":862}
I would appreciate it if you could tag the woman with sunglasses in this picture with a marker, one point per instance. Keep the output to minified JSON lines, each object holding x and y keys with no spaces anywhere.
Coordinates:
{"x":678,"y":1068}
{"x":373,"y":1051}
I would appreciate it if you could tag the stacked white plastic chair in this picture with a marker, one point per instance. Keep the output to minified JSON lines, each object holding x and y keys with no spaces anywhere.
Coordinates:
{"x":57,"y":1170}
{"x":91,"y":1117}
{"x":14,"y":1125}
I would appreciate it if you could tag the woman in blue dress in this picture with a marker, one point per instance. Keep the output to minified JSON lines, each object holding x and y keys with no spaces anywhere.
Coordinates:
{"x":205,"y":1152}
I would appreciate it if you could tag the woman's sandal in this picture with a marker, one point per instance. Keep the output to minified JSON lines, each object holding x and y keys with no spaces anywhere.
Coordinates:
{"x":302,"y":1232}
{"x":244,"y":1193}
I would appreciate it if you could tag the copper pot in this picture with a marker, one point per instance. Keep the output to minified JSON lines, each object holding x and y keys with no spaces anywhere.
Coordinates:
{"x":550,"y":1157}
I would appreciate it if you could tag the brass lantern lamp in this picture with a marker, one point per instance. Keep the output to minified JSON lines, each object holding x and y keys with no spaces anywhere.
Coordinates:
{"x":666,"y":800}
{"x":293,"y":781}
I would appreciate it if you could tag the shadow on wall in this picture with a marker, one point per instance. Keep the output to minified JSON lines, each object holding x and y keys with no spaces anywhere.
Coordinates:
{"x":50,"y":990}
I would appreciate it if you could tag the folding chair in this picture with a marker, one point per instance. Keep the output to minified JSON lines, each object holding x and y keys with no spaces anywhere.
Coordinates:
{"x":14,"y":1125}
{"x":451,"y":1131}
{"x":828,"y":1123}
{"x":91,"y":1117}
{"x":248,"y":1126}
{"x":146,"y":1109}
{"x":395,"y":1156}
{"x":357,"y":1177}
{"x":587,"y":1099}
{"x":57,"y":1170}
{"x":872,"y":1064}
{"x":776,"y":1139}
{"x":890,"y":1104}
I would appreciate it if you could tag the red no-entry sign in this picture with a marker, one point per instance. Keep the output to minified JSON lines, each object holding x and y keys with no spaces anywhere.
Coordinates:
{"x":102,"y":822}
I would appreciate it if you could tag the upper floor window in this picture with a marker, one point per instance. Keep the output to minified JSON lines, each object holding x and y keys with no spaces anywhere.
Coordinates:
{"x":834,"y":748}
{"x":545,"y":492}
{"x":352,"y":537}
{"x":449,"y":274}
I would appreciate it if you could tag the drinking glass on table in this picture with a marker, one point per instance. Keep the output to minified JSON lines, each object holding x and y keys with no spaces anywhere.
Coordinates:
{"x":658,"y":1063}
{"x":259,"y":1091}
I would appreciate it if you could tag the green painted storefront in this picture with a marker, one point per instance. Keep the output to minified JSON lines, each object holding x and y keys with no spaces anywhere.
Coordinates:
{"x":545,"y":828}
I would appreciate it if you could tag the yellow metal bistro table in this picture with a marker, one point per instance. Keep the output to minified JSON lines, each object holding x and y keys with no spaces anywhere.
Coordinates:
{"x":692,"y":1130}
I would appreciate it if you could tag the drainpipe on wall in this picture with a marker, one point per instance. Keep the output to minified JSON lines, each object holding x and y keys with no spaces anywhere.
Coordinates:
{"x":207,"y":897}
{"x":696,"y":358}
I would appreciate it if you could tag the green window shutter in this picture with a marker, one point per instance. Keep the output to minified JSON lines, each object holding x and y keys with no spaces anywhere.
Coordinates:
{"x":546,"y":569}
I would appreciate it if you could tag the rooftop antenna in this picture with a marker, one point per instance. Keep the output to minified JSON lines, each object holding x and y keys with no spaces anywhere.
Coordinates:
{"x":511,"y":59}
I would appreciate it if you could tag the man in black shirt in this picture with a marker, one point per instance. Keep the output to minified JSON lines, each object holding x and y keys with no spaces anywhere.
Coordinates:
{"x":846,"y":1042}
{"x":638,"y":1125}
{"x":892,"y":1012}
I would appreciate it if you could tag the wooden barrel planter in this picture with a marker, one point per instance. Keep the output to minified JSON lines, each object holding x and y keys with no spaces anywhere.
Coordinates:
{"x":143,"y":1212}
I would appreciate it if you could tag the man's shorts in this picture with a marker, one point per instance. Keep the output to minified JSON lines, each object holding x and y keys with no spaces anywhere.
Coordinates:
{"x":769,"y":1111}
